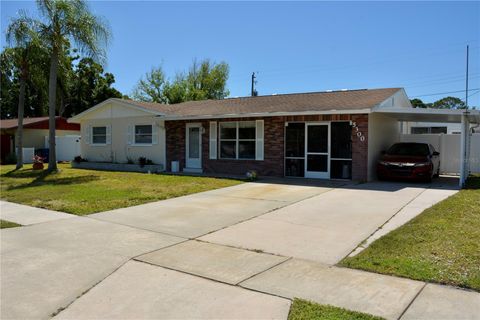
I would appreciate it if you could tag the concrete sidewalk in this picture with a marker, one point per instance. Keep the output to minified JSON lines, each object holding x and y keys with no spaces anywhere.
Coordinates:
{"x":26,"y":215}
{"x":182,"y":282}
{"x":46,"y":266}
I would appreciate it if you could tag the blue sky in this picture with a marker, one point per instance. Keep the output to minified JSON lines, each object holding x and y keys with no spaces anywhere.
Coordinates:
{"x":296,"y":47}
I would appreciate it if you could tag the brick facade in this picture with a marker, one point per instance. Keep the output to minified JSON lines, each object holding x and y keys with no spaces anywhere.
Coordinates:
{"x":274,"y":133}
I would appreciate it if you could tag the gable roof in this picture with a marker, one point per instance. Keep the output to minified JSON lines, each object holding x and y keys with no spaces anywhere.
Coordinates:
{"x":286,"y":103}
{"x":345,"y":100}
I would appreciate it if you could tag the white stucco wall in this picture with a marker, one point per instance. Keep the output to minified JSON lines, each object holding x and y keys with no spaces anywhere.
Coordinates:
{"x":383,"y":131}
{"x":118,"y":150}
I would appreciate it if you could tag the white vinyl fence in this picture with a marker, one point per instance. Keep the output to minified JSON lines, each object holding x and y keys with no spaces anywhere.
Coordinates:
{"x":449,"y":147}
{"x":28,"y":154}
{"x":67,"y":147}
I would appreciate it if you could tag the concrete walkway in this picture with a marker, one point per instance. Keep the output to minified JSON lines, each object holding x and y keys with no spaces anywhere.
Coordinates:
{"x":139,"y":262}
{"x":203,"y":280}
{"x":26,"y":215}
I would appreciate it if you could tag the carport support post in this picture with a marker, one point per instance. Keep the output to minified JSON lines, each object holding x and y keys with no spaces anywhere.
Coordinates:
{"x":463,"y":149}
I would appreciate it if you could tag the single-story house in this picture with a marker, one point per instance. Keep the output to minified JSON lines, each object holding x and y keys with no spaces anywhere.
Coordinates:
{"x":34,"y":132}
{"x":329,"y":135}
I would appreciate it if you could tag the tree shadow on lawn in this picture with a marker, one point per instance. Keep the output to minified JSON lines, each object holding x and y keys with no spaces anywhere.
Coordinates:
{"x":473,"y":182}
{"x":40,"y":179}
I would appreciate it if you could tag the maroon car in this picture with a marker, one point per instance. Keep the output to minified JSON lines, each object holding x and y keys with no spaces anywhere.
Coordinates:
{"x":409,"y":160}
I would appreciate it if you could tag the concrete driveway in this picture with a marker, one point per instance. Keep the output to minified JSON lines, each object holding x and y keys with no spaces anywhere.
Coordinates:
{"x":85,"y":264}
{"x":328,"y":226}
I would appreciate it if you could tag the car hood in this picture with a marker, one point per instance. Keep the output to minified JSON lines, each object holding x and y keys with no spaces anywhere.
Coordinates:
{"x":403,"y":159}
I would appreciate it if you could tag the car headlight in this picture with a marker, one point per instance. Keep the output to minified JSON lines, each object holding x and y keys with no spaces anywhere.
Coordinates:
{"x":422,"y":164}
{"x":383,"y":163}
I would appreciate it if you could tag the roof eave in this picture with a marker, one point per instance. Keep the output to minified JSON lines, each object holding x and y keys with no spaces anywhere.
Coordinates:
{"x":78,"y":118}
{"x":266,"y":114}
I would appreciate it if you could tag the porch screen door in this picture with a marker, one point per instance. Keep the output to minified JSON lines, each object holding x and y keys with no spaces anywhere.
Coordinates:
{"x":317,"y":162}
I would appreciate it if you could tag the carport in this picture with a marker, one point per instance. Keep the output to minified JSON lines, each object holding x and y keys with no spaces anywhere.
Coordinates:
{"x":465,"y":117}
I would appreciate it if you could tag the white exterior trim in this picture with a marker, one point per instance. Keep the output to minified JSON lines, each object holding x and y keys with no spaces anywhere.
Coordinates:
{"x":79,"y":117}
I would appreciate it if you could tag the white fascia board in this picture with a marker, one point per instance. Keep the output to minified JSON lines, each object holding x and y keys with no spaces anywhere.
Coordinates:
{"x":268,"y":114}
{"x":78,"y":118}
{"x":438,"y":115}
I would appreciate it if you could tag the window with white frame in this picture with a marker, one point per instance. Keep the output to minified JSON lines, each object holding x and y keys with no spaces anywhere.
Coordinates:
{"x":237,"y":140}
{"x":143,"y":134}
{"x":99,"y":135}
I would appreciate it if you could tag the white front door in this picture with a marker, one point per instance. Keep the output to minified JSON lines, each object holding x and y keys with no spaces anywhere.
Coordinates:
{"x":194,"y":146}
{"x":317,"y":150}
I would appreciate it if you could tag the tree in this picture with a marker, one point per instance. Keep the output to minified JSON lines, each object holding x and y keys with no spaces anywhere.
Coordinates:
{"x":90,"y":86}
{"x":22,"y":33}
{"x":418,"y":103}
{"x":449,"y":103}
{"x":151,"y":88}
{"x":67,"y":20}
{"x":204,"y":80}
{"x":207,"y":80}
{"x":7,"y":84}
{"x":176,"y":91}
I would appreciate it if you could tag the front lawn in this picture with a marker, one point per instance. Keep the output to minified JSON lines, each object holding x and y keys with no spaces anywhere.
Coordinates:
{"x":440,"y":245}
{"x":4,"y":224}
{"x":303,"y":310}
{"x":81,"y":192}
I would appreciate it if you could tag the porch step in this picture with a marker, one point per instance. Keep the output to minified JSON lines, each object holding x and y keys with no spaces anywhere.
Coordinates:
{"x":192,"y":170}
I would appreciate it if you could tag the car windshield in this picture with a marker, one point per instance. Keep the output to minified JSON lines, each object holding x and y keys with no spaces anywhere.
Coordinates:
{"x":409,"y":149}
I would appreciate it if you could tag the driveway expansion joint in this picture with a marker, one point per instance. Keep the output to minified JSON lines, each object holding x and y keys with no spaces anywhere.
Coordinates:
{"x":411,"y":302}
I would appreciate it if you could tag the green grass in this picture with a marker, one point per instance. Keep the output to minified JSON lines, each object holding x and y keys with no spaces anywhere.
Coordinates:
{"x":306,"y":310}
{"x":4,"y":224}
{"x":83,"y":192}
{"x":440,"y":245}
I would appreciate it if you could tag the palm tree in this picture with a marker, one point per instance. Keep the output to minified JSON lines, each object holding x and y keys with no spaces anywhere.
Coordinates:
{"x":22,"y":34}
{"x":65,"y":21}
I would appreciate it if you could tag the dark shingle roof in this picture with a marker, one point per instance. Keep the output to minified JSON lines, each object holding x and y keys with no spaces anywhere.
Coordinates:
{"x":13,"y":123}
{"x":295,"y":102}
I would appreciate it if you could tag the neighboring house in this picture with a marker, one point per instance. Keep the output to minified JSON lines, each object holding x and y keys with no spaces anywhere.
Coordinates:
{"x":316,"y":135}
{"x":34,"y":132}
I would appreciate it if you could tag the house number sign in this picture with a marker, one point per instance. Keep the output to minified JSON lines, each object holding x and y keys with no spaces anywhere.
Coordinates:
{"x":359,"y":133}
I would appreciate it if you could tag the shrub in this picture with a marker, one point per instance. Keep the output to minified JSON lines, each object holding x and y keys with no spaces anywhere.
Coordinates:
{"x":142,"y":161}
{"x":252,"y":175}
{"x":79,"y":159}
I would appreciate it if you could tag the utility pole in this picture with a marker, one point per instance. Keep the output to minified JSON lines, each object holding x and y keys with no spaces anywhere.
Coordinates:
{"x":254,"y":92}
{"x":466,"y":84}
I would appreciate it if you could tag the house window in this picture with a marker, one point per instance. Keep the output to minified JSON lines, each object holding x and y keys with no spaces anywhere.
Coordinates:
{"x":99,"y":135}
{"x":143,"y":134}
{"x":425,"y":130}
{"x":237,"y":140}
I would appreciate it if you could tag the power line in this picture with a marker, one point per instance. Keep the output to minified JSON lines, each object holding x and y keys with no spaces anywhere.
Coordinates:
{"x":436,"y":94}
{"x":314,"y":68}
{"x":473,"y":93}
